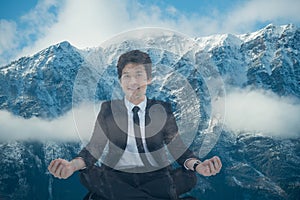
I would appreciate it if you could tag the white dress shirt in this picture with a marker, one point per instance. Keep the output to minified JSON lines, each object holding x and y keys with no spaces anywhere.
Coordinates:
{"x":131,"y":157}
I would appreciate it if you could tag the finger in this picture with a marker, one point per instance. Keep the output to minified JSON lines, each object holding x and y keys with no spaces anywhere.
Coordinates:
{"x":56,"y":164}
{"x":53,"y":165}
{"x":212,"y":168}
{"x":218,"y":163}
{"x":58,"y":171}
{"x":63,"y":173}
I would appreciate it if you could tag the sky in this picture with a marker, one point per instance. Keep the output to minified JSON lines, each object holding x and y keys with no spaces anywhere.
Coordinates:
{"x":27,"y":27}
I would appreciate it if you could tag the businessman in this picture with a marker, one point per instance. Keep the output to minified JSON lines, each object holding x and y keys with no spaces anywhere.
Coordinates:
{"x":135,"y":134}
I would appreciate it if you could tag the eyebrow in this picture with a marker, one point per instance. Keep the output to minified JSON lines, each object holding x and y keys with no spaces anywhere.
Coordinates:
{"x":137,"y":71}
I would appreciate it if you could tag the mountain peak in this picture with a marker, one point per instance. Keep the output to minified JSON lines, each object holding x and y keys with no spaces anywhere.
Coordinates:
{"x":270,"y":27}
{"x":59,"y":47}
{"x":270,"y":31}
{"x":64,"y":43}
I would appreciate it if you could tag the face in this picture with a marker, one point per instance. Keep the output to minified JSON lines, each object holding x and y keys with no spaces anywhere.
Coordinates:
{"x":134,"y":82}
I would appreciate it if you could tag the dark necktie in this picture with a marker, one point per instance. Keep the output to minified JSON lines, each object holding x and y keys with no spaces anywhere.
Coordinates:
{"x":138,"y":137}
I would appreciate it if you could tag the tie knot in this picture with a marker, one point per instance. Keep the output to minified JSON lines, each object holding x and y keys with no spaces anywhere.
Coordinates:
{"x":135,"y":109}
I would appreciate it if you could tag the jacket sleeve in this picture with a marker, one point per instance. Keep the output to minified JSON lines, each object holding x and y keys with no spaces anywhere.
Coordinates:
{"x":175,"y":145}
{"x":94,"y":149}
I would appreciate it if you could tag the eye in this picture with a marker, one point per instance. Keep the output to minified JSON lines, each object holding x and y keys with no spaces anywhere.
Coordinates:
{"x":140,"y":74}
{"x":125,"y":76}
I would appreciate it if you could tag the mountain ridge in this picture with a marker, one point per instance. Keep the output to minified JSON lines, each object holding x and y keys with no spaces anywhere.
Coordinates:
{"x":269,"y":60}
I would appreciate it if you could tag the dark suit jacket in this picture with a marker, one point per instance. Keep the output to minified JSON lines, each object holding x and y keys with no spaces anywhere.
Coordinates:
{"x":112,"y":125}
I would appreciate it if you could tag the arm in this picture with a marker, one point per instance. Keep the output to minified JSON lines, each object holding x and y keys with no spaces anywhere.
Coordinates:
{"x":186,"y":157}
{"x":93,"y":150}
{"x":180,"y":152}
{"x":61,"y":168}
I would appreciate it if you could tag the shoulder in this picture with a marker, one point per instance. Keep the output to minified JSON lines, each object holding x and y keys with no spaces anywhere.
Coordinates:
{"x":151,"y":102}
{"x":166,"y":105}
{"x":112,"y":105}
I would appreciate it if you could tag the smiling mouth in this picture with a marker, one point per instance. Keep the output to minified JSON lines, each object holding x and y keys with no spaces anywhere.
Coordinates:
{"x":134,"y":89}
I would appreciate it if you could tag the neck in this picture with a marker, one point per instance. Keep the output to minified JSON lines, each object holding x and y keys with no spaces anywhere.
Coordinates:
{"x":136,"y":101}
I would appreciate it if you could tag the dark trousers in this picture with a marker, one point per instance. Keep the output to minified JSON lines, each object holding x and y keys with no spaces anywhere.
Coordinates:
{"x":163,"y":184}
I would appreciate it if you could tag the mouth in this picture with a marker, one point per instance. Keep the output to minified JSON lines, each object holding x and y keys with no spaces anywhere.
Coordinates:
{"x":134,"y":89}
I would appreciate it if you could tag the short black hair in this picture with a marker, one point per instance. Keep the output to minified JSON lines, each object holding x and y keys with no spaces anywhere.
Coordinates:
{"x":135,"y":56}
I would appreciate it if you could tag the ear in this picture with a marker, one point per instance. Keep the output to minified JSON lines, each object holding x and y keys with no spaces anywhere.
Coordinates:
{"x":149,"y":81}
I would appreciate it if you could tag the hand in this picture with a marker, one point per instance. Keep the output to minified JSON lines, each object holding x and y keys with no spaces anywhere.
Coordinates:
{"x":210,"y":166}
{"x":61,"y":168}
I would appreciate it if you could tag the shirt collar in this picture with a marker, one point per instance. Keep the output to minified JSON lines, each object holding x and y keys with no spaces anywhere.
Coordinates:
{"x":130,"y":105}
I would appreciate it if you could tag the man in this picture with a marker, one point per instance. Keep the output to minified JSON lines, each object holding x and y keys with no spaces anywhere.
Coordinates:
{"x":136,"y":131}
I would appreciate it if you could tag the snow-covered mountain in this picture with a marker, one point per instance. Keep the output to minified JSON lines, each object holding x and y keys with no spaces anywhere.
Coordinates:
{"x":47,"y":85}
{"x":42,"y":85}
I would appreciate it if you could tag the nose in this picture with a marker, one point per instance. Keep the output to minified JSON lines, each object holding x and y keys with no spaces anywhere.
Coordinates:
{"x":133,"y":80}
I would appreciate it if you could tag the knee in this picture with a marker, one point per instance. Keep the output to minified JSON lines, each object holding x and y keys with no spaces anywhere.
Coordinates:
{"x":90,"y":177}
{"x":185,"y":182}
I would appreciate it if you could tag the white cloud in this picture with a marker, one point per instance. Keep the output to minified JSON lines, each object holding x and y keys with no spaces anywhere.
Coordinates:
{"x":7,"y":32}
{"x":7,"y":39}
{"x":73,"y":126}
{"x":246,"y":16}
{"x":262,"y":112}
